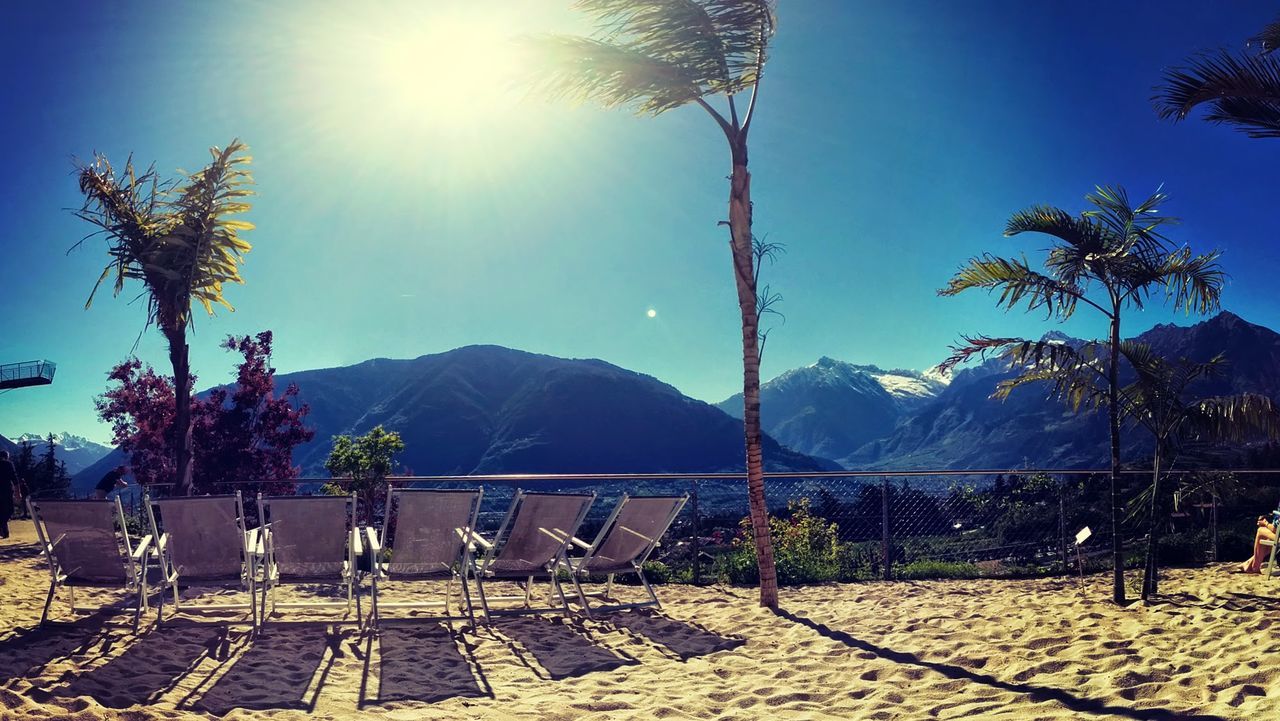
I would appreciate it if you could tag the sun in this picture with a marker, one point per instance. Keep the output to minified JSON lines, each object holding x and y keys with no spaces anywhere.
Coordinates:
{"x":652,"y":313}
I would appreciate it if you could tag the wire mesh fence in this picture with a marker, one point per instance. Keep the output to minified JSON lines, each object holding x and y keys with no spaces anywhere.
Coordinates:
{"x":860,"y":526}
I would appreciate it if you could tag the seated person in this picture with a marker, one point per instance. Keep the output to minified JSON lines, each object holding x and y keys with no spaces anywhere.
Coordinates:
{"x":1266,"y":532}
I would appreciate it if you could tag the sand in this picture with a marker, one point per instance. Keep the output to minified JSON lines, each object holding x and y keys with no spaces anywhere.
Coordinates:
{"x":988,"y":649}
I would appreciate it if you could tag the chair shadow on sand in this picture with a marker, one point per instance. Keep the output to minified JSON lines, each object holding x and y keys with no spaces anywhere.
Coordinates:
{"x":684,"y":639}
{"x":1231,"y":601}
{"x":276,"y":672}
{"x":421,"y":662}
{"x":560,"y":649}
{"x":28,"y":650}
{"x":1081,"y":705}
{"x":152,"y":665}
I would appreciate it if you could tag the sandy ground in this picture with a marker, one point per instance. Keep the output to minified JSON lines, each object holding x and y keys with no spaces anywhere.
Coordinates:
{"x":908,"y":650}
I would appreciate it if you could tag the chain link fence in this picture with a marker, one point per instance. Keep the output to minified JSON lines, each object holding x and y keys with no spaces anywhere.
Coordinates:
{"x":863,"y":526}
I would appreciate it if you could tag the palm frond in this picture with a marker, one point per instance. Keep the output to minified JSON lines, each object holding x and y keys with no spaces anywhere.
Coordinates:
{"x":656,"y":55}
{"x":1242,"y":91}
{"x":1073,"y":230}
{"x":1017,"y":283}
{"x":1129,"y":228}
{"x":1233,"y":419}
{"x":1192,"y":282}
{"x":1268,"y":39}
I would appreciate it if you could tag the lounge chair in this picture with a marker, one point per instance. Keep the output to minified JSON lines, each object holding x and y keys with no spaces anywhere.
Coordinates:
{"x":86,"y":544}
{"x":202,"y":541}
{"x":623,"y":544}
{"x":431,"y":541}
{"x":530,"y":545}
{"x":309,"y":539}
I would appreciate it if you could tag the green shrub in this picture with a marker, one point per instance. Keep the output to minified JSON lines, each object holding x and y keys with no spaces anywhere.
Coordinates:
{"x":806,"y":549}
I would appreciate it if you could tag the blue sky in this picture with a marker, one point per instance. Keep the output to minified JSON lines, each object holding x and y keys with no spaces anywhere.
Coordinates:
{"x":400,"y":213}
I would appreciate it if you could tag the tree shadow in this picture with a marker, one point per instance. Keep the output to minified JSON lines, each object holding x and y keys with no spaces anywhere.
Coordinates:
{"x":1033,"y":692}
{"x":561,"y":650}
{"x":18,"y":552}
{"x":1231,"y":601}
{"x":685,"y":639}
{"x":151,"y":666}
{"x":276,"y":672}
{"x":422,"y":663}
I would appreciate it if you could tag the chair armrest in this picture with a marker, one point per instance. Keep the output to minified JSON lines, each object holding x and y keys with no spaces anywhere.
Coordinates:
{"x":639,"y":534}
{"x":140,"y":551}
{"x":371,"y":535}
{"x":357,"y":547}
{"x":580,"y":543}
{"x":554,"y":533}
{"x":1266,"y":542}
{"x":476,"y":538}
{"x":254,"y":539}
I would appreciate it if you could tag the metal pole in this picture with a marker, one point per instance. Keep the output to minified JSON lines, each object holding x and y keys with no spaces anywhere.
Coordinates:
{"x":697,"y":537}
{"x":1213,"y":523}
{"x":885,"y":534}
{"x":1062,"y":524}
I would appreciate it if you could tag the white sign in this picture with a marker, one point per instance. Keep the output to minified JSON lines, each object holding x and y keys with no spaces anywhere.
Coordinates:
{"x":1083,"y":535}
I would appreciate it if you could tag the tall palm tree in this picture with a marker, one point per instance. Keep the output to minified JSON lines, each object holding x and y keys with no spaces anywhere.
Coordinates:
{"x":658,"y":55}
{"x":1241,"y":90}
{"x":1109,"y":258}
{"x":182,"y":241}
{"x":1156,"y":400}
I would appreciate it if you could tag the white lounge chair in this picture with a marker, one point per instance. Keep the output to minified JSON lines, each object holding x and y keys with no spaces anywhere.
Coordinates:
{"x":431,"y":541}
{"x":202,"y":541}
{"x":530,"y":545}
{"x":623,"y":545}
{"x":87,"y":544}
{"x":309,"y":539}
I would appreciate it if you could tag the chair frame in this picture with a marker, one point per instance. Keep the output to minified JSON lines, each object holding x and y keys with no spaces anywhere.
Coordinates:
{"x":377,"y":538}
{"x":1271,"y":563}
{"x":269,"y":581}
{"x":492,"y":550}
{"x":170,"y":576}
{"x":135,"y":563}
{"x":577,"y":567}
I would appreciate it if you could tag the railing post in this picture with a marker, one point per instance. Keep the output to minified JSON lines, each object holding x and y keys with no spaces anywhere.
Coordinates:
{"x":1213,"y":523}
{"x":885,"y":535}
{"x":1062,"y":523}
{"x":696,"y":546}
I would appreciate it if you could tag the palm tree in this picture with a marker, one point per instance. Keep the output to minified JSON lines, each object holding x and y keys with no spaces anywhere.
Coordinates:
{"x":1156,"y":400}
{"x":1241,"y":90}
{"x":182,"y":241}
{"x":658,"y":55}
{"x":1109,"y":258}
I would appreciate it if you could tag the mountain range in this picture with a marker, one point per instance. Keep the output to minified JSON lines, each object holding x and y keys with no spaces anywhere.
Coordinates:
{"x":76,"y":451}
{"x":489,"y":409}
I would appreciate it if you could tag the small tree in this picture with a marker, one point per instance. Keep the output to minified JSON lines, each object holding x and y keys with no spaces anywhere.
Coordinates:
{"x":244,"y":433}
{"x":365,"y":462}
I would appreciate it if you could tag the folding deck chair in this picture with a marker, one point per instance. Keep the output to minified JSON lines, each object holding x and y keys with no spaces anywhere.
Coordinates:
{"x":202,"y":541}
{"x":531,"y":544}
{"x":624,"y":543}
{"x":309,"y":539}
{"x":431,"y":541}
{"x":86,"y":544}
{"x":1271,"y":562}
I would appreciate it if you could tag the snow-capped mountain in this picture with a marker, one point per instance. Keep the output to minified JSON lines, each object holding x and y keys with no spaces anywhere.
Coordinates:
{"x":831,"y":408}
{"x":77,"y":451}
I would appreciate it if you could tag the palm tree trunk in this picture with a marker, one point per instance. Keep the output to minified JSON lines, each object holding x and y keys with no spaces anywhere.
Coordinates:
{"x":744,"y":275}
{"x":1113,"y":417}
{"x":1149,"y":580}
{"x":178,"y":356}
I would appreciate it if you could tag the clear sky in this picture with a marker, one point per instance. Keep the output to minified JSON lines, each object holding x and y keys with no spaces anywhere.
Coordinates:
{"x":405,"y":207}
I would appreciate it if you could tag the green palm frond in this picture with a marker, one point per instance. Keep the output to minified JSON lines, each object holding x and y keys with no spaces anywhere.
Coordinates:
{"x":1076,"y":231}
{"x":656,"y":55}
{"x":1241,"y":91}
{"x":183,"y":243}
{"x":1233,"y":419}
{"x":1192,"y":282}
{"x":1129,"y":228}
{"x":1076,"y":375}
{"x":1017,"y":283}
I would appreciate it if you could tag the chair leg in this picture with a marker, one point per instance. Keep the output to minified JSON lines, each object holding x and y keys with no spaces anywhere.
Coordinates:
{"x":555,"y":583}
{"x":608,"y":587}
{"x":484,"y":600}
{"x":582,"y":596}
{"x":48,"y":601}
{"x":648,"y":588}
{"x":466,"y":595}
{"x":373,"y":603}
{"x":71,"y":594}
{"x":528,"y":592}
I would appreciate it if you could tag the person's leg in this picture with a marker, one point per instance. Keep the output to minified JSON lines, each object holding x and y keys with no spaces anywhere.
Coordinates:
{"x":6,"y":512}
{"x":1260,"y":552}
